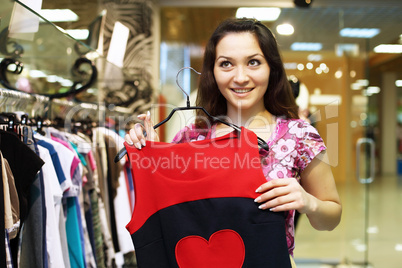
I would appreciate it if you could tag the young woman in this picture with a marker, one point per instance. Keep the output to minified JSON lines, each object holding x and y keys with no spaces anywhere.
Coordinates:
{"x":243,"y":80}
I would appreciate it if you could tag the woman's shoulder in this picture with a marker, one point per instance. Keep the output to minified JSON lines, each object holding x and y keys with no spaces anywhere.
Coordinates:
{"x":297,"y":128}
{"x":191,"y":133}
{"x":292,"y":122}
{"x":297,"y":140}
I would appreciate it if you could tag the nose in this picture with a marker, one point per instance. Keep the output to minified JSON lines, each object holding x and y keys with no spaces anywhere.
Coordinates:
{"x":240,"y":76}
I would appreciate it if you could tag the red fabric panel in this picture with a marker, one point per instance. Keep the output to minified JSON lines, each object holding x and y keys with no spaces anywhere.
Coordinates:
{"x":225,"y":249}
{"x":177,"y":173}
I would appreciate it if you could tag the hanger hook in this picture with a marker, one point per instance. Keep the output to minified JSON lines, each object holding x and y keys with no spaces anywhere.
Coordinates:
{"x":177,"y":79}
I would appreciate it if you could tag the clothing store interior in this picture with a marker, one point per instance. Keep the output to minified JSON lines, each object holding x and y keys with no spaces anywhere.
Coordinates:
{"x":74,"y":76}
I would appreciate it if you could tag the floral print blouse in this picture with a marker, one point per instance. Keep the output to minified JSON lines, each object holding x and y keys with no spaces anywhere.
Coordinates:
{"x":292,"y":146}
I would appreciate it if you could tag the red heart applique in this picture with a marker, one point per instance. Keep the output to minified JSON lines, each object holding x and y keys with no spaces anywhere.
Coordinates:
{"x":225,"y":249}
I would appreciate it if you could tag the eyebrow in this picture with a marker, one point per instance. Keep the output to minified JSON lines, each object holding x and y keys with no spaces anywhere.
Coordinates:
{"x":248,"y":57}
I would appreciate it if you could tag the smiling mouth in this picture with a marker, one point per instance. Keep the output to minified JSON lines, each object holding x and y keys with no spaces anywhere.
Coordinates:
{"x":238,"y":90}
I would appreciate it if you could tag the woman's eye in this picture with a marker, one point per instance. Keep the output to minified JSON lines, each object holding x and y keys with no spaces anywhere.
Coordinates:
{"x":254,"y":62}
{"x":225,"y":64}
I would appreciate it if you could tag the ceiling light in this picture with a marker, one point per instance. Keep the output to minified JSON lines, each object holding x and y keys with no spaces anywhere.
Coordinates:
{"x":359,"y":32}
{"x":66,"y":82}
{"x":314,"y":57}
{"x":373,"y":90}
{"x":356,"y":86}
{"x":78,"y":34}
{"x":388,"y":48}
{"x":58,"y":15}
{"x":37,"y":74}
{"x":338,"y":74}
{"x":285,"y":29}
{"x":348,"y":49}
{"x":363,"y":82}
{"x":300,"y":67}
{"x":326,"y":99}
{"x":52,"y":78}
{"x":290,"y":65}
{"x":398,"y":83}
{"x":398,"y":247}
{"x":318,"y":70}
{"x":259,"y":13}
{"x":300,"y":46}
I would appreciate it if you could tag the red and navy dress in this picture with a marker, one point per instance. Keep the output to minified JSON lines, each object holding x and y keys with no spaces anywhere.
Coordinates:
{"x":194,"y":206}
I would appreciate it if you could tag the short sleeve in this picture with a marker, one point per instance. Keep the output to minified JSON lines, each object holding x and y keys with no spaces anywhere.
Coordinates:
{"x":310,"y":144}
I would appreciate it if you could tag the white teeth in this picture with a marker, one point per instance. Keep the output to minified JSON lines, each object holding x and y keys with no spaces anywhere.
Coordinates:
{"x":242,"y":90}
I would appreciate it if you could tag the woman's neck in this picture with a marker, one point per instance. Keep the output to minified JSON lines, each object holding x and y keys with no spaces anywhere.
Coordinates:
{"x":262,"y":123}
{"x":250,"y":118}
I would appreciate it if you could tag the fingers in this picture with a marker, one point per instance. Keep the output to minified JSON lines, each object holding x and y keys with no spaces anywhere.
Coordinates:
{"x":138,"y":135}
{"x":273,"y":198}
{"x":280,"y":195}
{"x":151,"y":133}
{"x":271,"y":184}
{"x":282,"y":203}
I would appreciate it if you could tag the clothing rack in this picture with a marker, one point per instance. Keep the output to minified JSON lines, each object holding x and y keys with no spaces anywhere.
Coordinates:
{"x":11,"y":100}
{"x":39,"y":105}
{"x":98,"y":234}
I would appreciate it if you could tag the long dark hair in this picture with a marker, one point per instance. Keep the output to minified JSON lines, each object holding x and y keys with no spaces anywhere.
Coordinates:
{"x":278,"y":99}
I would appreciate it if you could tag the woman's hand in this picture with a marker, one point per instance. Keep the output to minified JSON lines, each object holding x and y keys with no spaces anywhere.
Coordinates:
{"x":283,"y":195}
{"x":136,"y":135}
{"x":316,"y":195}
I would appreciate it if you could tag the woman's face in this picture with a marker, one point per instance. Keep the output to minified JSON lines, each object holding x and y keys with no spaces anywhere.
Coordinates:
{"x":241,"y":72}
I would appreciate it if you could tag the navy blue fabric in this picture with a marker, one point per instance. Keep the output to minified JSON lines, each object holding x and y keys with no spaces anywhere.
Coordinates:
{"x":55,"y":159}
{"x":263,"y":232}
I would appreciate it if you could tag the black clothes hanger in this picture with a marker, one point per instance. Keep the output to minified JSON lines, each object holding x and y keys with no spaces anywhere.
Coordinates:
{"x":15,"y":125}
{"x":9,"y":121}
{"x":39,"y":126}
{"x":261,"y":142}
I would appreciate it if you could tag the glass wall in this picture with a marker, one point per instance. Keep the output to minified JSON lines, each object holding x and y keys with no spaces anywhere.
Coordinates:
{"x":346,"y":87}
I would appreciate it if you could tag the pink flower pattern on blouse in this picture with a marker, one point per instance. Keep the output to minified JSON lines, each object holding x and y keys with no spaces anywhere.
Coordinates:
{"x":293,"y":145}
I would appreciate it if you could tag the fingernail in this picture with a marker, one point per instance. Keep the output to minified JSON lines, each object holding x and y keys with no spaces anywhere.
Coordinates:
{"x":258,"y":199}
{"x":143,"y":142}
{"x":138,"y":145}
{"x":258,"y":190}
{"x":129,"y":142}
{"x":261,"y":206}
{"x":148,"y":115}
{"x":141,"y":116}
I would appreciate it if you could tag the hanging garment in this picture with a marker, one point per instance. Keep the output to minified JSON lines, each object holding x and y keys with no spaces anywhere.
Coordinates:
{"x":195,"y":206}
{"x":24,"y":164}
{"x":33,"y":247}
{"x":117,"y":191}
{"x":62,"y":162}
{"x":53,"y":198}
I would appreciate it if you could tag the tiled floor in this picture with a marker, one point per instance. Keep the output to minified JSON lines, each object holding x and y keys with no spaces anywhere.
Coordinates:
{"x":380,"y":203}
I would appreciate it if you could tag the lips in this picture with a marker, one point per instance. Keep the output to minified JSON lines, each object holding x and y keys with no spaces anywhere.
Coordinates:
{"x":241,"y":90}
